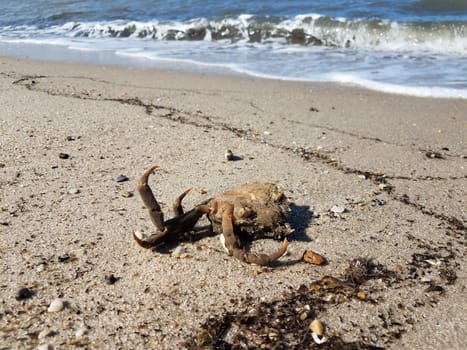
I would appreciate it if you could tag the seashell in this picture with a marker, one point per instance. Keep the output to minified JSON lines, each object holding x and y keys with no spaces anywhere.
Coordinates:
{"x":317,"y":327}
{"x":202,"y":191}
{"x":56,"y":305}
{"x":337,"y":209}
{"x":311,"y":257}
{"x":317,"y":339}
{"x":178,"y":251}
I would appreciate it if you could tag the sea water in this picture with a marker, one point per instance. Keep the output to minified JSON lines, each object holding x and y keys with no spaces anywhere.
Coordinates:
{"x":416,"y":47}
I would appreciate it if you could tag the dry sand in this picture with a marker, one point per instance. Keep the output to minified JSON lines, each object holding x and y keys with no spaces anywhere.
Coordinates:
{"x":397,"y":165}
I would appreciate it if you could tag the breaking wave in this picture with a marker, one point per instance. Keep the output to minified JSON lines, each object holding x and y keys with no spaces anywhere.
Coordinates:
{"x":305,"y":30}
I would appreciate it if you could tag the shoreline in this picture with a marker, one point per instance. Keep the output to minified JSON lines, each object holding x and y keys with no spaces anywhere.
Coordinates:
{"x":396,"y":164}
{"x":59,"y":54}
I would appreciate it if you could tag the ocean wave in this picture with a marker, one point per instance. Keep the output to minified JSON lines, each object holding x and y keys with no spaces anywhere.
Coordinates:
{"x":304,"y":30}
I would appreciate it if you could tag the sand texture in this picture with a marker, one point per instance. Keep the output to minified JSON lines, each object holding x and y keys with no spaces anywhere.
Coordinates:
{"x":378,"y":185}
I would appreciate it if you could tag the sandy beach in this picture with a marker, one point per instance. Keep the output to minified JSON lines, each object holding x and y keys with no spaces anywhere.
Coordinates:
{"x":375,"y":180}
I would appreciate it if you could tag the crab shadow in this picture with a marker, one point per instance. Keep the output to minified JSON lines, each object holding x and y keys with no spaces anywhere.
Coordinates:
{"x":300,"y":218}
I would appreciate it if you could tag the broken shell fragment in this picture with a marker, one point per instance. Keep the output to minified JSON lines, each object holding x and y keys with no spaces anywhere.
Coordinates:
{"x":317,"y":327}
{"x":178,"y":251}
{"x":56,"y":305}
{"x":338,"y":209}
{"x":126,"y":194}
{"x":317,"y":339}
{"x":311,"y":257}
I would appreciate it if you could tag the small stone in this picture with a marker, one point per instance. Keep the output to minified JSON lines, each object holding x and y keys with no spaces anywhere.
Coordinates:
{"x":311,"y":257}
{"x":361,"y":295}
{"x":56,"y":305}
{"x":80,"y":332}
{"x":338,"y":209}
{"x":178,"y":251}
{"x":111,"y":279}
{"x":317,"y":327}
{"x":63,"y":156}
{"x":380,"y":202}
{"x":228,"y":155}
{"x":45,"y":347}
{"x":24,"y":293}
{"x":126,"y":194}
{"x":74,"y":191}
{"x":122,"y":178}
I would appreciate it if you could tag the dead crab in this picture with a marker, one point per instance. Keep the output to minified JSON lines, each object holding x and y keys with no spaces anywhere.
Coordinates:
{"x":258,"y":210}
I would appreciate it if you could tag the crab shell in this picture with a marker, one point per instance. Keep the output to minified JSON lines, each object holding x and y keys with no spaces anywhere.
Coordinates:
{"x":260,"y":210}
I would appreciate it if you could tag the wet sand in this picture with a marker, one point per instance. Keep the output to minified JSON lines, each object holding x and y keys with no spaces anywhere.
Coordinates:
{"x":395,"y":164}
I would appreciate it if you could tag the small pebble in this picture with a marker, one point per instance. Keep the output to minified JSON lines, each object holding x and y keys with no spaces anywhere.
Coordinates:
{"x":311,"y":257}
{"x":228,"y":155}
{"x":111,"y":279}
{"x":56,"y":305}
{"x":379,"y":202}
{"x":63,"y":156}
{"x":122,"y":178}
{"x":337,"y":209}
{"x":178,"y":251}
{"x":80,"y":332}
{"x":24,"y":293}
{"x":126,"y":194}
{"x":73,"y":191}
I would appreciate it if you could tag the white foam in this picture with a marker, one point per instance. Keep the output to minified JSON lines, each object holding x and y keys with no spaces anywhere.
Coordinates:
{"x":420,"y":91}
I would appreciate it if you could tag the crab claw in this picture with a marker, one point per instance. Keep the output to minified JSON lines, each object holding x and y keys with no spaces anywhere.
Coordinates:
{"x":232,"y":246}
{"x":266,"y":259}
{"x":146,"y":241}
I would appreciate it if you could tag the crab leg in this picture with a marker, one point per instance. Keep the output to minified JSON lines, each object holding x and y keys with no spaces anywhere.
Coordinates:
{"x":155,"y":212}
{"x":177,"y":206}
{"x":181,"y":223}
{"x":232,"y":246}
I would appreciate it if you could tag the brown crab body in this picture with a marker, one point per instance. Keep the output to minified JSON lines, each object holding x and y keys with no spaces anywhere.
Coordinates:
{"x":261,"y":210}
{"x":255,"y":210}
